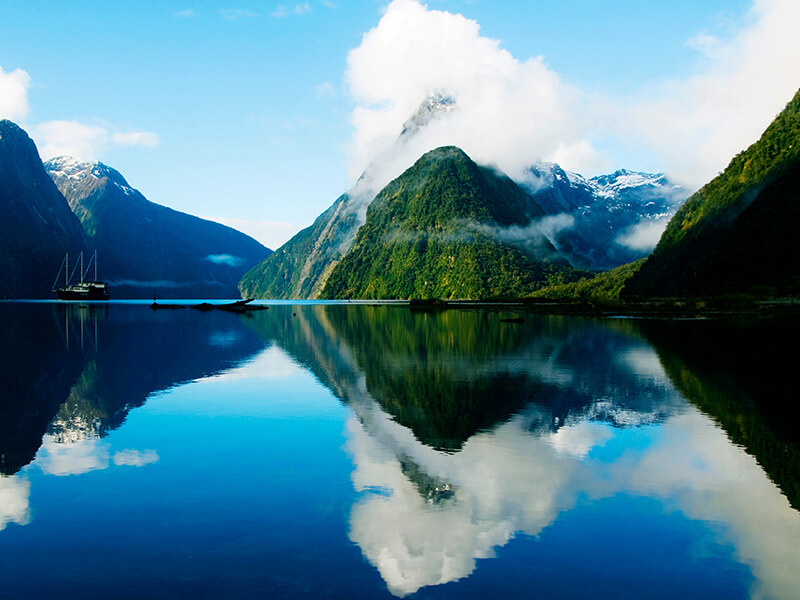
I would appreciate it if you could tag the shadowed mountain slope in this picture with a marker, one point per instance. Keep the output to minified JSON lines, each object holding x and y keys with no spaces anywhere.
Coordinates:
{"x":146,"y":248}
{"x":37,"y":227}
{"x":737,"y":233}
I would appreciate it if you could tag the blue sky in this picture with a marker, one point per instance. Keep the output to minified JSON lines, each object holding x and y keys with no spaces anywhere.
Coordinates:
{"x":244,"y":111}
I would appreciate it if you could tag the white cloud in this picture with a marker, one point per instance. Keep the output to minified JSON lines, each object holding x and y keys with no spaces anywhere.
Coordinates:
{"x":283,"y":10}
{"x":135,"y":458}
{"x":509,"y":112}
{"x":514,"y":111}
{"x":233,"y":14}
{"x":74,"y":458}
{"x":135,"y":138}
{"x":699,"y":123}
{"x":509,"y":480}
{"x":15,"y":495}
{"x":186,"y":13}
{"x":87,"y":142}
{"x":705,"y":44}
{"x":14,"y":94}
{"x":643,"y":236}
{"x":225,"y":259}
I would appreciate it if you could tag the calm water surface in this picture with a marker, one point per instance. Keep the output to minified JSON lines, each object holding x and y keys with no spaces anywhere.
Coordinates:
{"x":318,"y":451}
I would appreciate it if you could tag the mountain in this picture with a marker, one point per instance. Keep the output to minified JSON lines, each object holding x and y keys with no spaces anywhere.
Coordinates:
{"x":600,"y":223}
{"x":737,"y":233}
{"x":608,"y":220}
{"x":37,"y":227}
{"x":448,"y":228}
{"x":300,"y":268}
{"x":144,"y":248}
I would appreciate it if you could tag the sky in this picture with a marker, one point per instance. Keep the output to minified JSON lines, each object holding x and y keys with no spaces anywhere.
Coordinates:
{"x":260,"y":114}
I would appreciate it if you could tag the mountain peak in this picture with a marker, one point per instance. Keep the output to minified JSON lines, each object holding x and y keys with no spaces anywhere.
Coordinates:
{"x":69,"y":167}
{"x":432,"y":107}
{"x":15,"y":140}
{"x":11,"y":128}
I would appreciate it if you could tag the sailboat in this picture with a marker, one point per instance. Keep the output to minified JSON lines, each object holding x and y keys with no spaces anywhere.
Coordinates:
{"x":83,"y":289}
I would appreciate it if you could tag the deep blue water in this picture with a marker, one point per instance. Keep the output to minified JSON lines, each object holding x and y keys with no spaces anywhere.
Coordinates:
{"x":323,"y":451}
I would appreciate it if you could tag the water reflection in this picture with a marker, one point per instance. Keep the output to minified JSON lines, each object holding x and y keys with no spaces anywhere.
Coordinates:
{"x":468,"y":432}
{"x":73,"y":372}
{"x":465,"y":432}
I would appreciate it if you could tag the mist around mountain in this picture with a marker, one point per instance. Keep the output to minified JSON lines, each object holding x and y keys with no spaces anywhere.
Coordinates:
{"x":37,"y":227}
{"x":595,"y":224}
{"x":737,"y":234}
{"x":448,"y":228}
{"x":607,"y":220}
{"x":734,"y":238}
{"x":301,"y":267}
{"x":145,"y":248}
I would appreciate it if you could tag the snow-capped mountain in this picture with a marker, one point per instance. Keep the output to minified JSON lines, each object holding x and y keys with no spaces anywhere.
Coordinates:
{"x":72,"y":174}
{"x":145,"y":248}
{"x":612,"y":219}
{"x":436,"y":104}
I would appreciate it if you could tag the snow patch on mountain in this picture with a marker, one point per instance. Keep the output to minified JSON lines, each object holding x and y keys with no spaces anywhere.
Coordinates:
{"x":618,"y":217}
{"x":78,"y":171}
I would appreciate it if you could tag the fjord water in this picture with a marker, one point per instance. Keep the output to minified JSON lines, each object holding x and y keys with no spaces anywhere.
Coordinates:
{"x":377,"y":451}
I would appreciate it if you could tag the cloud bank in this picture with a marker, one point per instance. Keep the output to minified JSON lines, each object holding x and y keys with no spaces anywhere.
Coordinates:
{"x":696,"y":125}
{"x":508,"y":111}
{"x":514,"y":112}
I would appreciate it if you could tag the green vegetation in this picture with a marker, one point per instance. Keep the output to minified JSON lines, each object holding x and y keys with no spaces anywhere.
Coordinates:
{"x":603,"y":287}
{"x":440,"y":230}
{"x":736,"y":234}
{"x":414,"y":367}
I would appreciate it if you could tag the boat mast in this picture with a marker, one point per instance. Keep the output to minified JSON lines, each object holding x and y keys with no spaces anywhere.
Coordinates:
{"x":81,"y":266}
{"x":66,"y":272}
{"x":95,"y":265}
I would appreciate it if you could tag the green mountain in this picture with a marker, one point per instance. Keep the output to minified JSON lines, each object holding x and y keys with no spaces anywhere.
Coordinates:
{"x":448,"y":228}
{"x":145,"y":248}
{"x":300,"y":268}
{"x":37,"y":227}
{"x":736,"y":234}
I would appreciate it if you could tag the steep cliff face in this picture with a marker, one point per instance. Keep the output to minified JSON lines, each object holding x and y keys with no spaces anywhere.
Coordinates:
{"x":37,"y":227}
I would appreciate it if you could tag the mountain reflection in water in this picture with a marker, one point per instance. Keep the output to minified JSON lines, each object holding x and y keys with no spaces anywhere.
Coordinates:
{"x":464,"y":432}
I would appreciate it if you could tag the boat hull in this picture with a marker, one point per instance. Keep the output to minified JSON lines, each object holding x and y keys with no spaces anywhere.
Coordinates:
{"x":90,"y":291}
